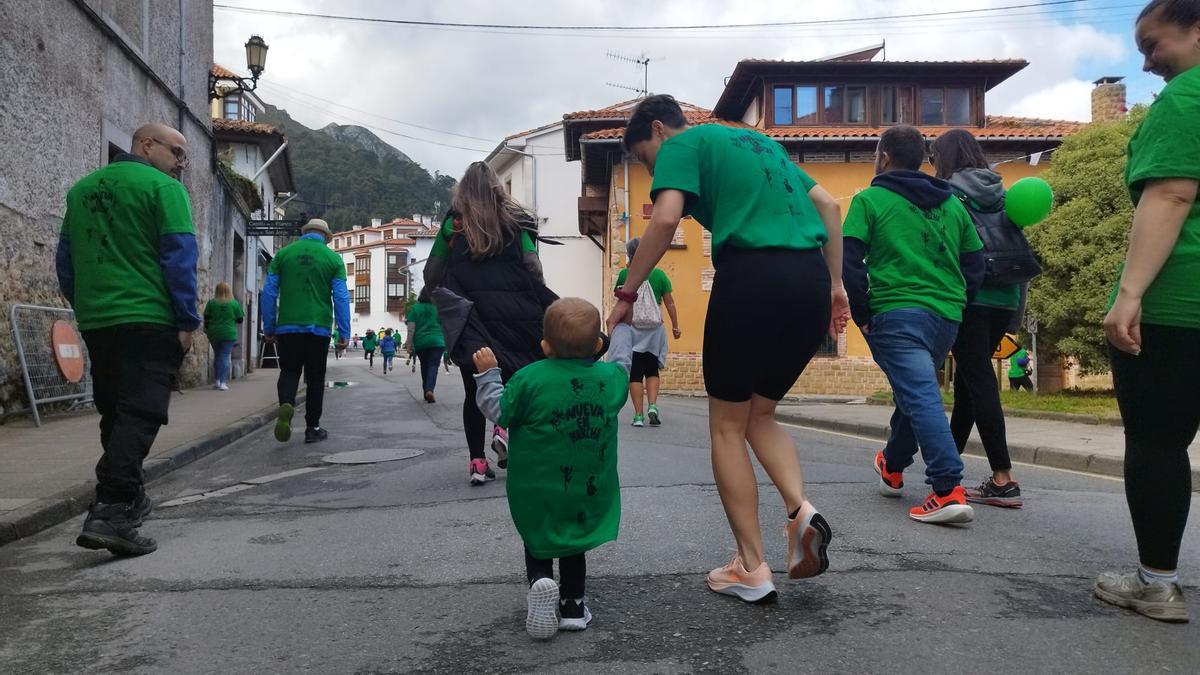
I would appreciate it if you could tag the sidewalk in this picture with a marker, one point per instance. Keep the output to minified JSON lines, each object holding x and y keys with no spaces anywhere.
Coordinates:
{"x":1091,"y":448}
{"x":47,"y":474}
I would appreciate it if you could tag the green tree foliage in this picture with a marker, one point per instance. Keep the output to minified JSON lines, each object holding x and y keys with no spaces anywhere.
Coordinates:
{"x":348,"y":185}
{"x":1083,"y":241}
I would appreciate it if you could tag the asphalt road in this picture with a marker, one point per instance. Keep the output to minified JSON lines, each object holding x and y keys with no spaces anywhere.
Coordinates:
{"x":404,"y":567}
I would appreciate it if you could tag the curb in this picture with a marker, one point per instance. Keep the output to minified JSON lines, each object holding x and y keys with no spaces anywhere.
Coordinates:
{"x":1095,"y":420}
{"x":48,"y":512}
{"x":1047,"y":456}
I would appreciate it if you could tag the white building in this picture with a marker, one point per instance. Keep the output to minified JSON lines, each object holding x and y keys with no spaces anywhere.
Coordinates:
{"x":534,"y":169}
{"x":377,"y":272}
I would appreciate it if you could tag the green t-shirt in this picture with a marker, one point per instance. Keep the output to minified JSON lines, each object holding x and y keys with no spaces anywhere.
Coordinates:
{"x":221,"y":318}
{"x":1167,"y":145}
{"x":660,"y":283}
{"x":912,"y":255}
{"x":1015,"y":369}
{"x":115,"y":218}
{"x":306,"y":269}
{"x":563,"y":489}
{"x":441,"y":245}
{"x":741,"y":186}
{"x":1004,"y":297}
{"x":428,"y":331}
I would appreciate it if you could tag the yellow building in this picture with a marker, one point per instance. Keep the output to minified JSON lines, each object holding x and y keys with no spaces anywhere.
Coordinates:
{"x":828,"y":115}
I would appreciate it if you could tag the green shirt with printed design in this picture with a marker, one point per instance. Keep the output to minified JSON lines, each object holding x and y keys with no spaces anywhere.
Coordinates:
{"x":306,"y":269}
{"x":913,"y":255}
{"x":741,"y":186}
{"x":221,"y":318}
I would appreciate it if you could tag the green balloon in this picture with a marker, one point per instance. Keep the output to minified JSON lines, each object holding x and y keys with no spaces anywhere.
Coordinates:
{"x":1028,"y":201}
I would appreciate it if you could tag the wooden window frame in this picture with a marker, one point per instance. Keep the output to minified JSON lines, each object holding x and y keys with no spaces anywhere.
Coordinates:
{"x":973,"y":104}
{"x":867,"y":89}
{"x":913,"y":89}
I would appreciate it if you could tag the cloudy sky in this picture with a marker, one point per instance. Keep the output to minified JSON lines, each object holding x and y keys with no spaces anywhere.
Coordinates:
{"x":485,"y":84}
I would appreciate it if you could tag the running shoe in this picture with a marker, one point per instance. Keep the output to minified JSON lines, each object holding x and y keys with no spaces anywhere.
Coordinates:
{"x":639,"y":421}
{"x":500,"y":446}
{"x":575,"y":614}
{"x":808,"y":543}
{"x":283,"y":422}
{"x":734,"y":579}
{"x":541,"y":617}
{"x":890,"y":484}
{"x":1159,"y":600}
{"x":1007,"y":495}
{"x":952,"y":508}
{"x":652,"y":415}
{"x":481,"y":472}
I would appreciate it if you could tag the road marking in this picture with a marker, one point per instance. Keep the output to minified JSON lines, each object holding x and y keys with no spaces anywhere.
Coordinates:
{"x":238,"y":487}
{"x":1032,"y":466}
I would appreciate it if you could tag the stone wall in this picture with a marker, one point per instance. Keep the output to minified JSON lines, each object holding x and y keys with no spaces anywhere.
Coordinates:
{"x":824,"y":375}
{"x":1108,"y":101}
{"x":71,"y":92}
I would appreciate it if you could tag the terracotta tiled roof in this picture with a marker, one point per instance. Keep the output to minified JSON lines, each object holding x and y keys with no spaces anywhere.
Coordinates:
{"x":221,"y":71}
{"x":998,"y":127}
{"x":897,"y":63}
{"x":622,"y":111}
{"x":244,"y":127}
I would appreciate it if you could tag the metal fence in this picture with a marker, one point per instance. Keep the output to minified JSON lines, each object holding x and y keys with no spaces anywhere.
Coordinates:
{"x":31,"y":326}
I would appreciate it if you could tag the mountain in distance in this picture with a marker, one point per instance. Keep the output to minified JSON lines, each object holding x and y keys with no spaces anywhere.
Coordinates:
{"x":348,"y":175}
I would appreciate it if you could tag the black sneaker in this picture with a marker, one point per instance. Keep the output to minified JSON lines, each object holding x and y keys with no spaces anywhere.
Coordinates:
{"x":574,"y":614}
{"x":112,"y":527}
{"x":315,"y":435}
{"x":1007,"y":495}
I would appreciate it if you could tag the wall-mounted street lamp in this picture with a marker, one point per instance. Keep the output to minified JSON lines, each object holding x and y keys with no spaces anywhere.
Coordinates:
{"x":256,"y":62}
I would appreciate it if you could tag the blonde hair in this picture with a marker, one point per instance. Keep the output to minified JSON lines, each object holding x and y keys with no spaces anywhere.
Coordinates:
{"x":571,"y":326}
{"x":223,"y":292}
{"x":490,"y":217}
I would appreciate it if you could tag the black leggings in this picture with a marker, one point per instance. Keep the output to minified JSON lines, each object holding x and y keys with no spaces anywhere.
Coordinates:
{"x":572,"y":573}
{"x":976,"y":392}
{"x":474,"y":423}
{"x":303,"y":352}
{"x":1160,"y":407}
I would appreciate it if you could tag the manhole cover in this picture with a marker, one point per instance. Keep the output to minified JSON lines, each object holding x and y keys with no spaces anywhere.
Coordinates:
{"x":371,"y":456}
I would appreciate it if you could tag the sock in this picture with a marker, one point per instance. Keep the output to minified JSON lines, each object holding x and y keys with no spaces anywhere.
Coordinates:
{"x":943,"y":493}
{"x":1149,"y":577}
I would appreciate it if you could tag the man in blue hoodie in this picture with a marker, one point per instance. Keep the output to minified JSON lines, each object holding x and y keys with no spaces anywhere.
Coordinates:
{"x":912,"y":261}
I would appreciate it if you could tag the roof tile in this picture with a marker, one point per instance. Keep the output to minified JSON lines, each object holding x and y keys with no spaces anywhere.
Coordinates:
{"x":244,"y":127}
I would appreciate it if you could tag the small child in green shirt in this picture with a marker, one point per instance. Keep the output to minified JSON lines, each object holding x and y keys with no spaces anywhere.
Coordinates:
{"x":563,"y":490}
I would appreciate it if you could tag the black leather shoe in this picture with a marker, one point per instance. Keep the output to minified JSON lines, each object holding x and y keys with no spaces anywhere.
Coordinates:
{"x":114,"y":527}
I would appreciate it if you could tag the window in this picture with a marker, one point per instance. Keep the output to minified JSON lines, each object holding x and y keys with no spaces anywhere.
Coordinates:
{"x":362,"y":294}
{"x":336,"y":243}
{"x":387,"y":234}
{"x":232,"y":108}
{"x":806,"y":105}
{"x":393,"y":259}
{"x":897,"y":103}
{"x":958,"y":106}
{"x":856,"y":105}
{"x":248,"y":112}
{"x":933,"y":107}
{"x":362,"y":266}
{"x":395,"y":290}
{"x":362,"y":239}
{"x":783,"y":105}
{"x":834,"y":104}
{"x":349,"y":269}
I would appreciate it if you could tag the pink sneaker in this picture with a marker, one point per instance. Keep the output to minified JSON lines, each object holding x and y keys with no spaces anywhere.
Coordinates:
{"x":481,"y":472}
{"x":500,"y":446}
{"x":734,"y":579}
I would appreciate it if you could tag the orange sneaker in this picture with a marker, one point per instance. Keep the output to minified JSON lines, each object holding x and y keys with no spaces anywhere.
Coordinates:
{"x":952,"y":508}
{"x":734,"y":579}
{"x":808,"y":539}
{"x":890,"y":484}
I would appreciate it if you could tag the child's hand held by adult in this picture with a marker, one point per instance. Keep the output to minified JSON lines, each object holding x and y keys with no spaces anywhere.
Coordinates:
{"x":484,"y":360}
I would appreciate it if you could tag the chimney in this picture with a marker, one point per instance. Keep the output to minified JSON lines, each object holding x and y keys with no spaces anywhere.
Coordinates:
{"x":376,"y":222}
{"x":1108,"y":99}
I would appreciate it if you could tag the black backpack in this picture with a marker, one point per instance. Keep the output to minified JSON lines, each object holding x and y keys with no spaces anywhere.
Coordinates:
{"x":1010,"y":259}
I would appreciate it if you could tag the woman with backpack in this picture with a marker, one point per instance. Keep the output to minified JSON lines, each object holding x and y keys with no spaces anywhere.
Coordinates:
{"x":959,"y":159}
{"x":486,"y":280}
{"x":649,"y":340}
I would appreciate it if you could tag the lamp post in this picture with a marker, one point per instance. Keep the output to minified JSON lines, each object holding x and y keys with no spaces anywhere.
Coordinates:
{"x":256,"y":62}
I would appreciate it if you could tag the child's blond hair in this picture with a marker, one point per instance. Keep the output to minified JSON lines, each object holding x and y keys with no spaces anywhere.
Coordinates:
{"x":571,"y":327}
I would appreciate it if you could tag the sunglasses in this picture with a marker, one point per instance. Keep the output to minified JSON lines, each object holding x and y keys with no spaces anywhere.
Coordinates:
{"x":178,"y":151}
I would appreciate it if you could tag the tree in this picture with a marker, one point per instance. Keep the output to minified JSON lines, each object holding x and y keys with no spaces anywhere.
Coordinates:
{"x":1083,"y":241}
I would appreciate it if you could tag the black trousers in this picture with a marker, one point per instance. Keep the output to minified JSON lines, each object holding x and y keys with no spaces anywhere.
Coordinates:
{"x":303,"y":352}
{"x":1018,"y":383}
{"x":976,"y":392}
{"x":1160,"y":407}
{"x":474,"y":423}
{"x":132,"y":367}
{"x":572,"y":573}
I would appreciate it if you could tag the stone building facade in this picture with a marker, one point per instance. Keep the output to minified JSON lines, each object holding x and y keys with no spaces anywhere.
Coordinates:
{"x":79,"y":77}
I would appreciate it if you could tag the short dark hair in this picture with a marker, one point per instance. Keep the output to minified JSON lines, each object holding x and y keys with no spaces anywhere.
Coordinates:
{"x":954,"y":151}
{"x":1178,"y":12}
{"x":659,"y":107}
{"x":905,"y":146}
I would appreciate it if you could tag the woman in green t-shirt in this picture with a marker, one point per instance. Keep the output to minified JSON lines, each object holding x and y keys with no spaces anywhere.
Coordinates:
{"x":425,"y":339}
{"x":1153,"y":325}
{"x":222,"y":314}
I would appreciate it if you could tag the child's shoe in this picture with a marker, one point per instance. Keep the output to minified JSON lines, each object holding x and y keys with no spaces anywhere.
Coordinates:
{"x":481,"y":472}
{"x":652,"y":415}
{"x":639,"y":421}
{"x":500,"y":446}
{"x":734,"y":579}
{"x":952,"y":508}
{"x":541,"y":620}
{"x":575,"y":614}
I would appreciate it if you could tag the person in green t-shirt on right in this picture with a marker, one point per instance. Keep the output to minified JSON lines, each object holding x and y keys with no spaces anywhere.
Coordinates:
{"x":426,"y":341}
{"x":913,"y":262}
{"x":649,"y":345}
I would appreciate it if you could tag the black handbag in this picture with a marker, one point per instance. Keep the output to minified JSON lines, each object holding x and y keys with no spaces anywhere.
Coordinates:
{"x":1009,"y":257}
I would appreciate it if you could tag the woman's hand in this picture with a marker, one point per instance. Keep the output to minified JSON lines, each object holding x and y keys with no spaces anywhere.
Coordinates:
{"x":484,"y":360}
{"x":622,"y":312}
{"x":840,"y":316}
{"x":676,"y":332}
{"x":1123,"y":325}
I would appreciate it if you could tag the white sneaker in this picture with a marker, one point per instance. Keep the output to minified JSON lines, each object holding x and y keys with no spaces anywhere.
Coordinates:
{"x":222,"y":386}
{"x":574,"y":622}
{"x":541,"y":619}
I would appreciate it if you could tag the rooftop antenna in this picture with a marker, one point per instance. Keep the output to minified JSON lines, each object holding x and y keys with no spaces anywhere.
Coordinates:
{"x":643,"y":62}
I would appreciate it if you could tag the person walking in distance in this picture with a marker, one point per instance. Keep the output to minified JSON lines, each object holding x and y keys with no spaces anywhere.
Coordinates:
{"x":126,"y":262}
{"x":222,"y":315}
{"x":370,"y":341}
{"x":1019,"y":371}
{"x":387,"y":349}
{"x":308,"y":283}
{"x":649,"y":341}
{"x":1153,"y":321}
{"x":425,"y":339}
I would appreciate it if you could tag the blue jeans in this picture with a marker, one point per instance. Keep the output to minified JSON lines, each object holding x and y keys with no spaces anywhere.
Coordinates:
{"x":910,"y":345}
{"x":223,"y":349}
{"x":430,"y":359}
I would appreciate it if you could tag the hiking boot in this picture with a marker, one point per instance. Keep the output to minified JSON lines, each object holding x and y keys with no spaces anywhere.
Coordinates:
{"x":1007,"y":495}
{"x":639,"y":421}
{"x":500,"y":446}
{"x":315,"y":435}
{"x":575,"y":614}
{"x":142,"y":506}
{"x":541,"y":618}
{"x":652,"y":415}
{"x":1159,"y":600}
{"x":734,"y":579}
{"x":283,"y":422}
{"x":481,"y":472}
{"x":112,"y":527}
{"x":952,"y":508}
{"x":891,"y":484}
{"x":808,"y":542}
